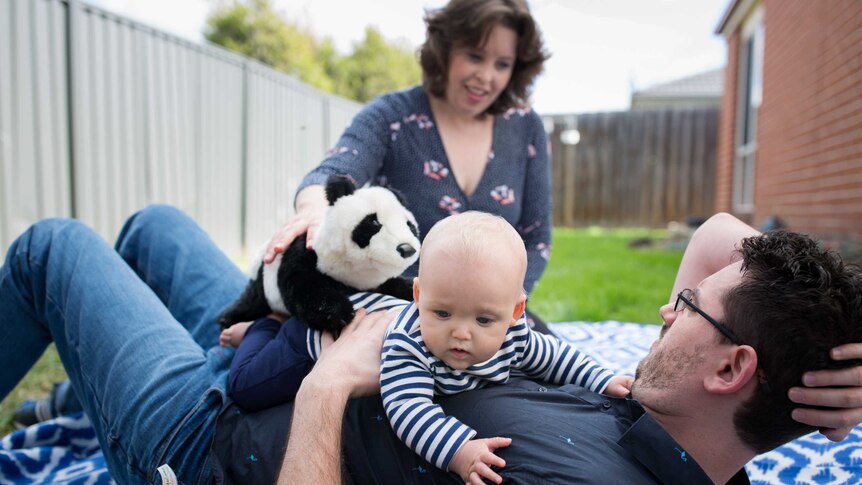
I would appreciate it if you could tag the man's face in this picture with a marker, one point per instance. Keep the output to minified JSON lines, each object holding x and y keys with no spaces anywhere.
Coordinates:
{"x":675,"y":365}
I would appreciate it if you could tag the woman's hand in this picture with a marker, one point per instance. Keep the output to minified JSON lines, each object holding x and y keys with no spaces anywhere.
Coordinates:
{"x":310,"y":207}
{"x":839,"y":389}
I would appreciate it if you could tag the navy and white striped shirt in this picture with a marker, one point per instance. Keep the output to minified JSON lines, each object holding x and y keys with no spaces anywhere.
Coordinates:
{"x":371,"y":302}
{"x":411,"y":375}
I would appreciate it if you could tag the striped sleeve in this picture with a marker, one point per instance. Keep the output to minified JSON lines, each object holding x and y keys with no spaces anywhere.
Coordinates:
{"x":547,"y":358}
{"x":407,"y":389}
{"x":372,"y":302}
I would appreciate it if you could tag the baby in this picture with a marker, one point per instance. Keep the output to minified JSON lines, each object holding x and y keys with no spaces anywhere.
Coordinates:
{"x":466,"y":329}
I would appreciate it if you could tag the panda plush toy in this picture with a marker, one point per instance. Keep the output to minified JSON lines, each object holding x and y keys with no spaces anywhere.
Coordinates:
{"x":366,"y":240}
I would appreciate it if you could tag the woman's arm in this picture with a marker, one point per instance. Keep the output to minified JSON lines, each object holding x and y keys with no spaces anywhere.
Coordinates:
{"x":535,"y":223}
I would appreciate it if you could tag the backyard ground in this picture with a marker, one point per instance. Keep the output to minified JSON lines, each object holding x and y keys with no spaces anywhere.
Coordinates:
{"x":593,"y":275}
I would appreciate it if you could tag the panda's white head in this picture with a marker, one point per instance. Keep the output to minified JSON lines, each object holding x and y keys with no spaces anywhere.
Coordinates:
{"x":367,"y":235}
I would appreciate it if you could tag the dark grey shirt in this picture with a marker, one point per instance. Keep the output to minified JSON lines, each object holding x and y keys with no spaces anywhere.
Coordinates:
{"x":559,"y":436}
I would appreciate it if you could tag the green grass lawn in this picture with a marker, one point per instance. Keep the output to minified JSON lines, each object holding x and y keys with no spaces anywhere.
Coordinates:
{"x":592,"y":275}
{"x":38,"y":382}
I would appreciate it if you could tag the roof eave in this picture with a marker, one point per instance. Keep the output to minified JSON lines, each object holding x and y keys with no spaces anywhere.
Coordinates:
{"x":734,"y":15}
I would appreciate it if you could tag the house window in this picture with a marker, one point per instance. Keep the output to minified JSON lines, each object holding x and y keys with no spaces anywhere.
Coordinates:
{"x":750,"y":94}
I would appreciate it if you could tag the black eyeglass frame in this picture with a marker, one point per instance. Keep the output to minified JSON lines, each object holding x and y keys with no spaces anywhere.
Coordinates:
{"x":715,"y":323}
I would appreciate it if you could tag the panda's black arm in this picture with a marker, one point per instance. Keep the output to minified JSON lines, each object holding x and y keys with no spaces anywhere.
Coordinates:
{"x":398,"y":287}
{"x":250,"y":306}
{"x":318,"y":300}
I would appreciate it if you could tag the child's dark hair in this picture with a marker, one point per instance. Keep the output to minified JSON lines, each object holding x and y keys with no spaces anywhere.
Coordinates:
{"x":469,"y":23}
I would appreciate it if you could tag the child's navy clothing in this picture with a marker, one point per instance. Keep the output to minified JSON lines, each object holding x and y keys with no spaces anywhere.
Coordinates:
{"x":273,"y":358}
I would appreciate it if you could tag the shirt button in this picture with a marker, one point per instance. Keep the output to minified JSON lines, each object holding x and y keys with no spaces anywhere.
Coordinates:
{"x":606,"y":404}
{"x":542,"y":389}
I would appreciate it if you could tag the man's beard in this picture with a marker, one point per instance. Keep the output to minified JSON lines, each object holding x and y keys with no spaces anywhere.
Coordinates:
{"x":663,"y":369}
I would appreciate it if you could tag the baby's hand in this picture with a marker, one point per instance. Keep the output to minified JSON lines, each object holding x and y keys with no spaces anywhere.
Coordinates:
{"x":620,"y":386}
{"x":473,"y":460}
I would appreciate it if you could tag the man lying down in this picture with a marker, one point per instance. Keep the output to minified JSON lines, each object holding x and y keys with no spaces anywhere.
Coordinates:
{"x":713,"y":392}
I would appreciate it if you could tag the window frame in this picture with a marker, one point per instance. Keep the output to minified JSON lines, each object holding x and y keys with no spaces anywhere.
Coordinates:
{"x":749,"y":97}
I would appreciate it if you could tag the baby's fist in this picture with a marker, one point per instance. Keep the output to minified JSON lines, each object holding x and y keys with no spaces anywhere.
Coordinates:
{"x":620,"y":386}
{"x":474,"y":459}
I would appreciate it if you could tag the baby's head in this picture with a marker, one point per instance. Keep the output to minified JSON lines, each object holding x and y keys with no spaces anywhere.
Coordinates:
{"x":470,"y":287}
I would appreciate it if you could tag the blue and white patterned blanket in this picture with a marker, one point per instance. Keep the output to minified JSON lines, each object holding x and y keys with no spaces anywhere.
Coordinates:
{"x":65,"y":450}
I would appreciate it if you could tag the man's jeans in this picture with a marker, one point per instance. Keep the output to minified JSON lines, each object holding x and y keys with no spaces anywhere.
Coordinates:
{"x":138,"y":338}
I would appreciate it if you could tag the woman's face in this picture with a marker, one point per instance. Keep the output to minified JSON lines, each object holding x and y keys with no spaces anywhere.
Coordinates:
{"x":477,"y":75}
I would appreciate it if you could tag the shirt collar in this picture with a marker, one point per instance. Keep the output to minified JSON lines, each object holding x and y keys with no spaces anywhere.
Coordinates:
{"x":655,"y":449}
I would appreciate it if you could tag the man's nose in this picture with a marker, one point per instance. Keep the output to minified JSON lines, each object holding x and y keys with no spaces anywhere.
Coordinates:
{"x":668,"y":316}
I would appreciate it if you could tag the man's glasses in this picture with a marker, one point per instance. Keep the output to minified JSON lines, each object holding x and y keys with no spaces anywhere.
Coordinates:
{"x":684,"y":298}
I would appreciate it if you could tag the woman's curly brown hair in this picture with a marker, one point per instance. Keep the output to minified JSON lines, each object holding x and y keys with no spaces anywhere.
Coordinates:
{"x":469,"y":23}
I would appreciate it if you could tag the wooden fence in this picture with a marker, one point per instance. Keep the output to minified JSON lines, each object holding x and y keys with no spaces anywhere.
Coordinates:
{"x":637,"y":168}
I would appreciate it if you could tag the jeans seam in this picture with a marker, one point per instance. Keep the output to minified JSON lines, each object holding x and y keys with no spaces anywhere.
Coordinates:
{"x":161,"y":451}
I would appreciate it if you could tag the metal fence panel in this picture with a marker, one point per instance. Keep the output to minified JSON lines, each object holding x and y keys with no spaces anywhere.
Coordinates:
{"x":154,"y":118}
{"x":34,"y":168}
{"x":220,"y":152}
{"x":285,"y":140}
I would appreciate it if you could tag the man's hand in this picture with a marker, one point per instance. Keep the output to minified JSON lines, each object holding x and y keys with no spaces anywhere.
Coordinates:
{"x":474,"y":459}
{"x":347,"y":367}
{"x":620,"y":386}
{"x":353,"y":361}
{"x":840,"y":389}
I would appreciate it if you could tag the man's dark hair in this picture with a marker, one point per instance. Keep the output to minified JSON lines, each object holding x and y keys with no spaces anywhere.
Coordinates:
{"x":469,"y":23}
{"x":796,"y":302}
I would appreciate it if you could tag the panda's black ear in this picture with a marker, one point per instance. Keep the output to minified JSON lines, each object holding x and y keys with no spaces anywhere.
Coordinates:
{"x":398,"y":195}
{"x":338,"y":186}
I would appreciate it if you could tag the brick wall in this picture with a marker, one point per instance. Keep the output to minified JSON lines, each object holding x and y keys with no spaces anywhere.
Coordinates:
{"x":809,"y":161}
{"x":726,"y":123}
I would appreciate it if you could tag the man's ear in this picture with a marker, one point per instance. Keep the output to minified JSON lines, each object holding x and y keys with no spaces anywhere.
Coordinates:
{"x":733,"y":372}
{"x":519,"y":309}
{"x":416,"y":289}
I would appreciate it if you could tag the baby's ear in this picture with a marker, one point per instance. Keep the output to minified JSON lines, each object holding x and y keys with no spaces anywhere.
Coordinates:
{"x":416,"y":289}
{"x":519,"y":309}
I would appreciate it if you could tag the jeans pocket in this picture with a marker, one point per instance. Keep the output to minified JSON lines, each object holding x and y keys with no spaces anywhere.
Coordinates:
{"x":187,"y":448}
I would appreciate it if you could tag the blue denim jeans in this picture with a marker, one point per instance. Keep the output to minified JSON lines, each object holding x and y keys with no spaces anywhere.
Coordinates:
{"x":135,"y":328}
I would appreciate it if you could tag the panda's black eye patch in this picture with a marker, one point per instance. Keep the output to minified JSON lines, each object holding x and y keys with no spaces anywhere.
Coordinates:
{"x":365,"y":230}
{"x":413,"y":229}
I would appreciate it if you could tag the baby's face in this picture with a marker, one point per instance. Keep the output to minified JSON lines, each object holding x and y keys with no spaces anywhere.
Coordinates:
{"x":465,"y":310}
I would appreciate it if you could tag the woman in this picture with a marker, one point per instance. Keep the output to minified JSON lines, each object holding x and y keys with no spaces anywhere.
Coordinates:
{"x":464,"y":140}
